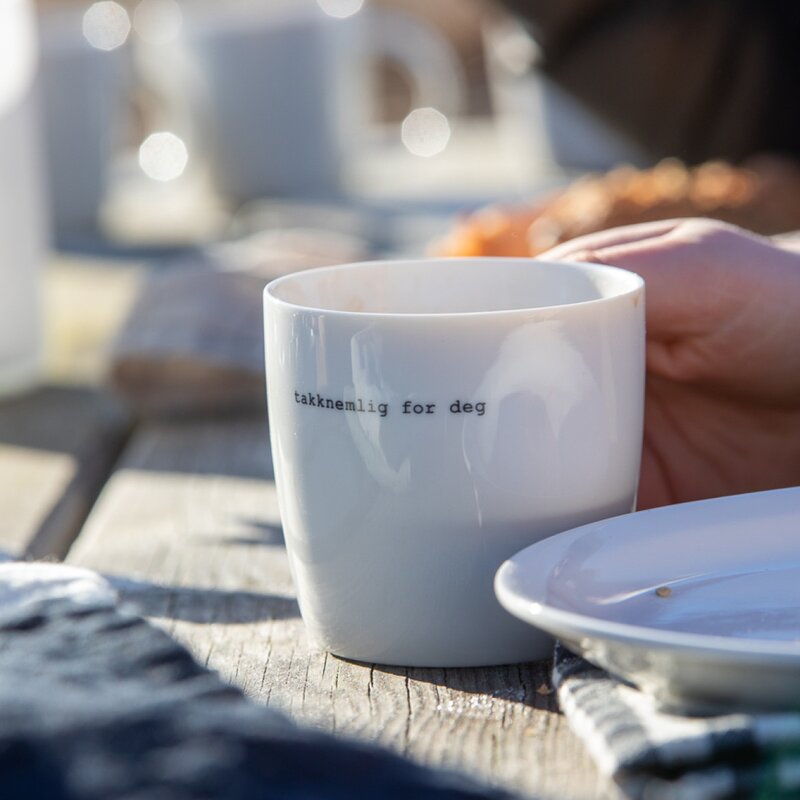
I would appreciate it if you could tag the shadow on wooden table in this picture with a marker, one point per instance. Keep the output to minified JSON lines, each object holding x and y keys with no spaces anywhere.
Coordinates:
{"x":203,"y":605}
{"x":264,"y":534}
{"x":57,"y":446}
{"x":64,"y":419}
{"x":528,"y":683}
{"x":235,"y":447}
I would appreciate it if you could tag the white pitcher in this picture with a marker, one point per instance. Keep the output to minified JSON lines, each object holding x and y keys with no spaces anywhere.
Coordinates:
{"x":22,"y":209}
{"x":280,"y":94}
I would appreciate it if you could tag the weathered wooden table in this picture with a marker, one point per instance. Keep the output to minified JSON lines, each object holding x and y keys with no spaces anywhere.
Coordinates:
{"x":183,"y":519}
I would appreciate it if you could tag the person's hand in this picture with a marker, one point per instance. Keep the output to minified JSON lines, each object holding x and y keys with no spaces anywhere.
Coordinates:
{"x":722,"y":412}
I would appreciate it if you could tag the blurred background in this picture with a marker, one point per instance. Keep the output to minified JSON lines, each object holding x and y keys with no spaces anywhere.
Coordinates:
{"x":316,"y":131}
{"x":164,"y":119}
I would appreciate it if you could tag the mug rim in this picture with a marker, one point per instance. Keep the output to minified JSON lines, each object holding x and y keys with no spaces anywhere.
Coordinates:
{"x":637,"y":284}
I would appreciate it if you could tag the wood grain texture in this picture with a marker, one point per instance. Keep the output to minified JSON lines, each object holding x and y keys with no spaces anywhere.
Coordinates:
{"x":193,"y":344}
{"x":188,"y":529}
{"x":86,"y":301}
{"x":57,"y":446}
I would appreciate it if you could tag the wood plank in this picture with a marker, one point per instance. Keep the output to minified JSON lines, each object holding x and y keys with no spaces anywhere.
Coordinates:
{"x":188,"y":528}
{"x":57,"y":446}
{"x":86,"y":300}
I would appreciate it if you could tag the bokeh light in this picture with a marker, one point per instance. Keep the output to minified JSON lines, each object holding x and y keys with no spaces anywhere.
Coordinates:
{"x":163,"y":156}
{"x":340,"y":8}
{"x":158,"y":21}
{"x":425,"y":132}
{"x":106,"y":25}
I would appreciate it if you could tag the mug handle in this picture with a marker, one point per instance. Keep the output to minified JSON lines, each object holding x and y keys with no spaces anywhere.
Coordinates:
{"x":436,"y":73}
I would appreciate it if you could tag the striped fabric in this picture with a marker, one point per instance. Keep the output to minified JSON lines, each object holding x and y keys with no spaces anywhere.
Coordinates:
{"x":661,"y":756}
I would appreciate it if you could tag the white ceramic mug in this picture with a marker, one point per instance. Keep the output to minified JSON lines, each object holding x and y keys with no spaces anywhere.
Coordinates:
{"x":23,"y":216}
{"x":84,"y":93}
{"x":283,"y":93}
{"x":431,"y":418}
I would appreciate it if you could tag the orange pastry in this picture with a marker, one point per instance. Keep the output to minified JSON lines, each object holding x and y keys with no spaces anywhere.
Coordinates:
{"x":763,"y":196}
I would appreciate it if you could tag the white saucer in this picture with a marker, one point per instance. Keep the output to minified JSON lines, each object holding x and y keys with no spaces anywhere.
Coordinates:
{"x":723,"y":631}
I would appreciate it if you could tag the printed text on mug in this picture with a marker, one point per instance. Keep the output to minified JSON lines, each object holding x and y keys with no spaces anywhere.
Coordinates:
{"x":413,"y":408}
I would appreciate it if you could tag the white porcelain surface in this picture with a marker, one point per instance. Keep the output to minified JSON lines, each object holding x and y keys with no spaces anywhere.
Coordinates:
{"x":396,"y":522}
{"x":22,"y":207}
{"x":83,"y":98}
{"x":288,"y":90}
{"x":726,"y":630}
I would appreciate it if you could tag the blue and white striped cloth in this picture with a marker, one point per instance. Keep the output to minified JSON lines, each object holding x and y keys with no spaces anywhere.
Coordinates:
{"x":655,"y":755}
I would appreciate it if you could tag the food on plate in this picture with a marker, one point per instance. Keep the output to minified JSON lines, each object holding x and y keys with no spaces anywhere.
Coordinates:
{"x":762,"y":196}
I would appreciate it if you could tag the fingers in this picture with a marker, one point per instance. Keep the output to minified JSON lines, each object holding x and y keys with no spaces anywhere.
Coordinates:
{"x":611,"y":238}
{"x":673,"y":260}
{"x":721,"y":303}
{"x":675,"y":285}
